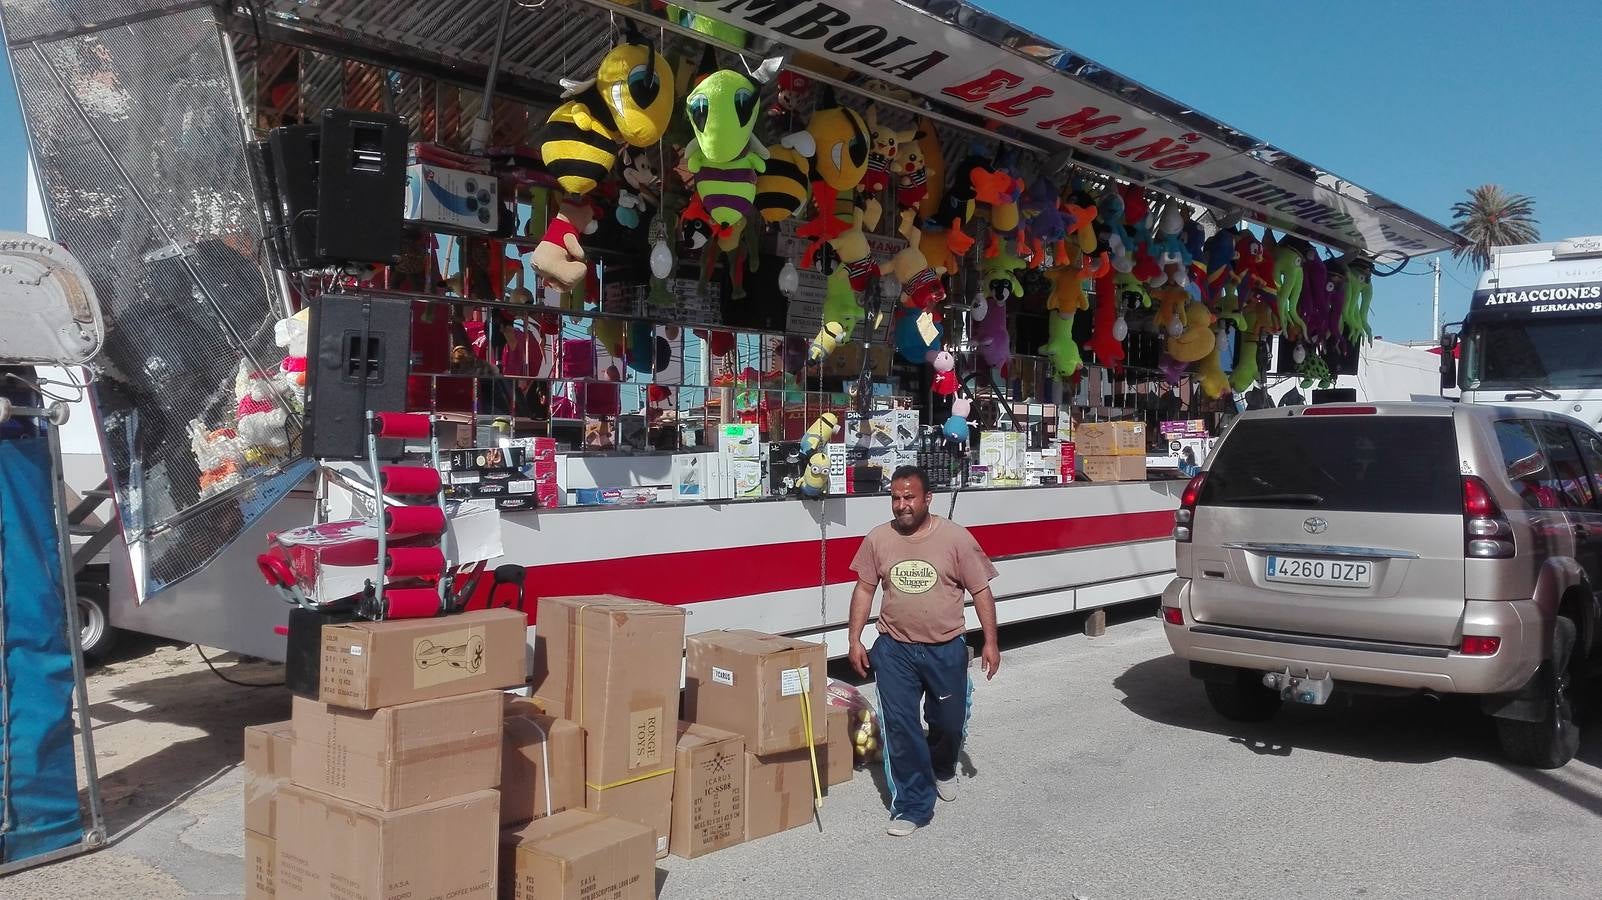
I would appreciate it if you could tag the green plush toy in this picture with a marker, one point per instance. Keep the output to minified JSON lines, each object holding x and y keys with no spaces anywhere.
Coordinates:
{"x":1127,"y":283}
{"x":840,"y":303}
{"x":1004,"y":267}
{"x":1061,"y":348}
{"x":723,"y":113}
{"x":1246,"y":370}
{"x":1288,"y":277}
{"x":1315,"y":372}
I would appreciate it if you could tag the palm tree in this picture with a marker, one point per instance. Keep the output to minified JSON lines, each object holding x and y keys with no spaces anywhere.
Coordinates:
{"x":1491,"y":217}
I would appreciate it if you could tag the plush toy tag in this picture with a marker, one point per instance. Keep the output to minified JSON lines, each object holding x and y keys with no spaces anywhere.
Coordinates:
{"x":926,"y":328}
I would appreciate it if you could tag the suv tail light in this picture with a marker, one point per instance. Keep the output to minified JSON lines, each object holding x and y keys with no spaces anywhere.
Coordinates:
{"x":1186,"y":516}
{"x":1480,"y":646}
{"x":1486,"y":532}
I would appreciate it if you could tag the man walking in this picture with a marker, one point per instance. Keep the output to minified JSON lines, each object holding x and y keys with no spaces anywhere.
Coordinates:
{"x":925,"y":564}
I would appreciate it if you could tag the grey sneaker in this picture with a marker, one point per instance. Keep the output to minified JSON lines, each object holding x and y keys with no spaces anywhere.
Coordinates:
{"x":947,"y":788}
{"x":900,"y":827}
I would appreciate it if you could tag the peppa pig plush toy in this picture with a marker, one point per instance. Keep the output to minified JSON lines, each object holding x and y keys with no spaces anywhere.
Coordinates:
{"x":945,"y":380}
{"x":956,"y":428}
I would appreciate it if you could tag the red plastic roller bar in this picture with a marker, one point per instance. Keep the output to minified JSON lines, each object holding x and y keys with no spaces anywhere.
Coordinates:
{"x":410,"y":603}
{"x":410,"y":480}
{"x":402,"y":425}
{"x":412,"y":562}
{"x":401,"y":521}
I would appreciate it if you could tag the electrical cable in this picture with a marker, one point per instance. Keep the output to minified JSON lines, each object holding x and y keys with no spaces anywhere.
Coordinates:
{"x":244,"y":684}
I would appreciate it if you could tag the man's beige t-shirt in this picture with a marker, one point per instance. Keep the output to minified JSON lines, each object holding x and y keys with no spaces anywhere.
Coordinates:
{"x":924,"y":579}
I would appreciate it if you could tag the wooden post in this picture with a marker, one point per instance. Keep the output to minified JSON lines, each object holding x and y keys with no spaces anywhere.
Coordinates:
{"x":1096,"y":623}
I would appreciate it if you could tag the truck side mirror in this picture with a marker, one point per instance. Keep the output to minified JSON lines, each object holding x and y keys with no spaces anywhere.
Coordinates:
{"x":1448,"y":361}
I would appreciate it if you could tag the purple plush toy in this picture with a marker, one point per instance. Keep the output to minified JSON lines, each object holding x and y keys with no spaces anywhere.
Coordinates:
{"x":990,"y":332}
{"x":1315,"y":303}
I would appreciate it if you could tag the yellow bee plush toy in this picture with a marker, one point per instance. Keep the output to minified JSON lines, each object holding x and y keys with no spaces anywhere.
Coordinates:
{"x":630,"y":100}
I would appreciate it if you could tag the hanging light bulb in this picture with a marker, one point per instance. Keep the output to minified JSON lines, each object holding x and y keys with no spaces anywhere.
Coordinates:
{"x":1299,"y":354}
{"x":1120,"y":329}
{"x":662,"y":259}
{"x":1175,"y":327}
{"x":789,"y":279}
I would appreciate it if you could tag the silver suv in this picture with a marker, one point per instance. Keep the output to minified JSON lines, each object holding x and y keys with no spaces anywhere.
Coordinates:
{"x":1395,"y":547}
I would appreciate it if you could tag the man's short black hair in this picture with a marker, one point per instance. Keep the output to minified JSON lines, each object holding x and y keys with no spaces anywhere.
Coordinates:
{"x":912,"y":472}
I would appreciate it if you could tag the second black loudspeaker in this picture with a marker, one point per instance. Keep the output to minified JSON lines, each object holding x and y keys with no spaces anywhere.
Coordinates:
{"x":359,"y":355}
{"x":361,"y":186}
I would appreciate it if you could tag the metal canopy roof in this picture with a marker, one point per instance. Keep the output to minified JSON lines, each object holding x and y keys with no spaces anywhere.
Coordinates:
{"x":962,"y":65}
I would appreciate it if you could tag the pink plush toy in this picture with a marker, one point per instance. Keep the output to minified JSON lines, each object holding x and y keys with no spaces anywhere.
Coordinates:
{"x":945,"y":380}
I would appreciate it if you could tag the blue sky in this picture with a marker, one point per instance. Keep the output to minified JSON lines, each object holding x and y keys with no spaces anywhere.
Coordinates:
{"x":1417,"y":100}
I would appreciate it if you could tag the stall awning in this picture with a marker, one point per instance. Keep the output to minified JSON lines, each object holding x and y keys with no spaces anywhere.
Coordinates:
{"x":954,"y":60}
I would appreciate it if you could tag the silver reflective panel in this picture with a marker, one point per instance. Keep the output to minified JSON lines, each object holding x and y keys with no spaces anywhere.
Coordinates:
{"x":139,"y":146}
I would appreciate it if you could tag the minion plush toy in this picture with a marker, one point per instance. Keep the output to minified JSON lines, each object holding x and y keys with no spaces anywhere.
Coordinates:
{"x":815,"y":478}
{"x":819,"y":433}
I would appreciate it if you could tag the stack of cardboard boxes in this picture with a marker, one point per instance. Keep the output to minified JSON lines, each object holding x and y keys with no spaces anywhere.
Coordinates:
{"x":411,"y":759}
{"x":399,"y":750}
{"x":770,"y":692}
{"x":1111,"y":451}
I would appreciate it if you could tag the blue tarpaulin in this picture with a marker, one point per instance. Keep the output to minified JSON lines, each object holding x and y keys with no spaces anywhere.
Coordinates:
{"x":38,"y":769}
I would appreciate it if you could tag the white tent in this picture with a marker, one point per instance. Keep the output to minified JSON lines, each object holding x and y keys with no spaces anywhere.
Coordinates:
{"x":1385,"y":371}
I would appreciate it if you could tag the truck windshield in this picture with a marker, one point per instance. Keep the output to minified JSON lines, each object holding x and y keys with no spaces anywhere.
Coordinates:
{"x":1551,"y":353}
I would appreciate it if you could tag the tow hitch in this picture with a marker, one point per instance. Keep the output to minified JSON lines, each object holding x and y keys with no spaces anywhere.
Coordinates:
{"x":1300,"y":688}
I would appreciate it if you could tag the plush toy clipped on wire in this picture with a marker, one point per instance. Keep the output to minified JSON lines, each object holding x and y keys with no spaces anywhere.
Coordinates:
{"x":559,"y":258}
{"x":629,"y":100}
{"x":921,"y":287}
{"x":725,"y":157}
{"x":819,"y":434}
{"x":956,"y":430}
{"x":815,"y":477}
{"x":884,"y":148}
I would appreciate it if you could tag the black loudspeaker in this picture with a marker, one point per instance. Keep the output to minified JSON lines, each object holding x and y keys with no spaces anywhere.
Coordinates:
{"x":361,"y":186}
{"x":359,"y":354}
{"x":295,"y":150}
{"x":1335,"y":395}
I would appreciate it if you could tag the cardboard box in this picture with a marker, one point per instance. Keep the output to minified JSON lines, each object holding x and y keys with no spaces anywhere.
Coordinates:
{"x":439,"y":196}
{"x":778,"y":792}
{"x":612,"y":665}
{"x":708,"y":791}
{"x":836,"y":761}
{"x":267,"y":753}
{"x":578,"y":855}
{"x":259,"y":852}
{"x":1111,"y":439}
{"x":648,"y":802}
{"x":368,"y":665}
{"x":542,"y":765}
{"x":329,"y":847}
{"x":751,"y":683}
{"x":1113,"y":468}
{"x":400,"y":756}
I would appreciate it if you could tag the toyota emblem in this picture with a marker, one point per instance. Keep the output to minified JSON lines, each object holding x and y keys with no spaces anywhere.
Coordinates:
{"x":1315,"y":525}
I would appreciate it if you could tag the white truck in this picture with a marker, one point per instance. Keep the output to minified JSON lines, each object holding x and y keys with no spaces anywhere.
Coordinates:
{"x":1533,"y":331}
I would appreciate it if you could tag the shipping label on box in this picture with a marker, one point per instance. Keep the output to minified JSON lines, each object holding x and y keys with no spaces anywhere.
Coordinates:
{"x":542,"y":765}
{"x":708,"y":791}
{"x":328,"y":847}
{"x":578,"y":855}
{"x":368,"y":665}
{"x":751,"y":684}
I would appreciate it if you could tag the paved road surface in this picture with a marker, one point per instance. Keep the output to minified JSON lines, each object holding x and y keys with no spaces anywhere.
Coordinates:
{"x":1097,"y":771}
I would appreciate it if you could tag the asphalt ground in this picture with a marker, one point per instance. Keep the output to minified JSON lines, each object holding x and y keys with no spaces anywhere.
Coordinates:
{"x":1094,"y":769}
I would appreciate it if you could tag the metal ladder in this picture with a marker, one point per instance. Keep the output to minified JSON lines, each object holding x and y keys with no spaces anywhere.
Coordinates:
{"x":95,"y":537}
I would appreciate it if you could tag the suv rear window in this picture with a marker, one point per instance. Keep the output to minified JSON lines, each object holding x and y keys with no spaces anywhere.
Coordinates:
{"x":1383,"y":464}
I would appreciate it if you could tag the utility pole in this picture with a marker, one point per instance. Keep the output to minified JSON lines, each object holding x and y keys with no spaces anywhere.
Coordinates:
{"x":1435,"y":305}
